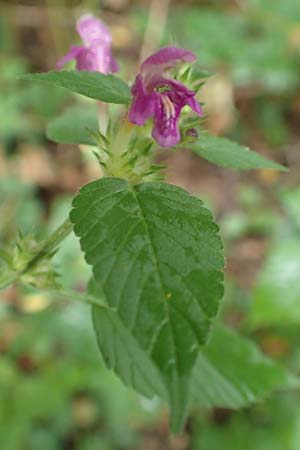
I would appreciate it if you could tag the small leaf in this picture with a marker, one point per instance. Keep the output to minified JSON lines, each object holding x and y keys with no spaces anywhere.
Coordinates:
{"x":226,"y":153}
{"x":72,"y":127}
{"x":231,"y":372}
{"x":157,"y":259}
{"x":107,"y":88}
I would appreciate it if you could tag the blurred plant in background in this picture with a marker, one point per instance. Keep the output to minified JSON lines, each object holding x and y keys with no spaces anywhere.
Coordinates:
{"x":255,"y":51}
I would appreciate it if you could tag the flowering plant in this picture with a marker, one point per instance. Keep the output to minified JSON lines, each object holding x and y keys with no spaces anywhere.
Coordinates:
{"x":155,"y":250}
{"x":95,"y":54}
{"x":162,"y":98}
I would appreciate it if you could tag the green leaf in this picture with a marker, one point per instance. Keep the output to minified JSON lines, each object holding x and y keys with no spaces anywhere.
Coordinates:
{"x":231,"y":372}
{"x":226,"y":153}
{"x":157,"y":259}
{"x":272,"y":426}
{"x":107,"y":88}
{"x":72,"y":127}
{"x":122,"y":353}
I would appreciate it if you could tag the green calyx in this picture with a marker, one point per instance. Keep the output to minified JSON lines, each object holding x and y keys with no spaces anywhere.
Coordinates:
{"x":192,"y":76}
{"x":126,"y":153}
{"x":30,"y":262}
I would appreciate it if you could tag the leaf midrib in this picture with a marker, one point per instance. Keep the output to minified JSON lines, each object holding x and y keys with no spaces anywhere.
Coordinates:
{"x":155,"y":261}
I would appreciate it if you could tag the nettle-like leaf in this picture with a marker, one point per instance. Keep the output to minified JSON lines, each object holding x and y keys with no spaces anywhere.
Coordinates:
{"x":72,"y":127}
{"x":122,"y":353}
{"x":107,"y":88}
{"x":226,"y":153}
{"x":157,"y":260}
{"x":230,"y":371}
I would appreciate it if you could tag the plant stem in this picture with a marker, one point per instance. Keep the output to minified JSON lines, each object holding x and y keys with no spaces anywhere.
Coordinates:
{"x":157,"y":19}
{"x":103,"y":113}
{"x":51,"y":243}
{"x":45,"y":249}
{"x":73,"y":295}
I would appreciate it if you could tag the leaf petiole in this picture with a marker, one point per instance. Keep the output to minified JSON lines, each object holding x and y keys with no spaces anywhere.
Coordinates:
{"x":67,"y":294}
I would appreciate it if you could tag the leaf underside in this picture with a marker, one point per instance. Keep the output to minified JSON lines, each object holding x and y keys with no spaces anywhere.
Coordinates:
{"x":157,"y":261}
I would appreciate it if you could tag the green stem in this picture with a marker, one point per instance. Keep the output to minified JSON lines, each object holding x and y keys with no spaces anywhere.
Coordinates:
{"x":51,"y":243}
{"x":73,"y":295}
{"x":103,"y":117}
{"x":46,"y":248}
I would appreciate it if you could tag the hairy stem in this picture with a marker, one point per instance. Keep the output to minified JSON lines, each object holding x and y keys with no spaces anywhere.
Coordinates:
{"x":51,"y":243}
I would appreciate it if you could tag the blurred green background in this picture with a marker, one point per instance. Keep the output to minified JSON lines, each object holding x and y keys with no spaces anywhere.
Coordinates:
{"x":55,"y":392}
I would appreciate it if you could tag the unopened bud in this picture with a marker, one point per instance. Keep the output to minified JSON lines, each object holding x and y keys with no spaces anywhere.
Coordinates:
{"x":192,"y":132}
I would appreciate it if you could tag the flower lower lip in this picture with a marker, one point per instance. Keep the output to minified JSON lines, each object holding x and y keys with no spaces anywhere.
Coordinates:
{"x":168,"y":106}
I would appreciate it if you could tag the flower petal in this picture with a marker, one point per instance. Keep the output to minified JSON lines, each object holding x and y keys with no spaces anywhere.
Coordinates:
{"x":165,"y":128}
{"x":114,"y":66}
{"x":103,"y":56}
{"x":166,"y":116}
{"x":176,"y":86}
{"x":94,"y":59}
{"x":87,"y":60}
{"x":180,"y":93}
{"x":167,"y":57}
{"x":91,"y":29}
{"x":72,"y":54}
{"x":143,"y":105}
{"x":163,"y":98}
{"x":195,"y":106}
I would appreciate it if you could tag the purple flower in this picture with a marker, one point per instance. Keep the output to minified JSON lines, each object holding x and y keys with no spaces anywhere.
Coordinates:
{"x":95,"y":55}
{"x":155,"y":95}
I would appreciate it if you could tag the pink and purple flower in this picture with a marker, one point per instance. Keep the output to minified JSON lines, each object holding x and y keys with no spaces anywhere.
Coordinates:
{"x":161,"y":98}
{"x":95,"y":55}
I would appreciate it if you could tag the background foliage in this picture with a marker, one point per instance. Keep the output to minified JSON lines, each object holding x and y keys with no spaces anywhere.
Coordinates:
{"x":254,"y":51}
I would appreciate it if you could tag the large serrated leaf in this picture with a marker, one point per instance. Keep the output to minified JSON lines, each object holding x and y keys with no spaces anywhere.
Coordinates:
{"x":226,"y":153}
{"x":72,"y":127}
{"x":107,"y":88}
{"x":122,"y":353}
{"x":230,"y":371}
{"x":157,"y":258}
